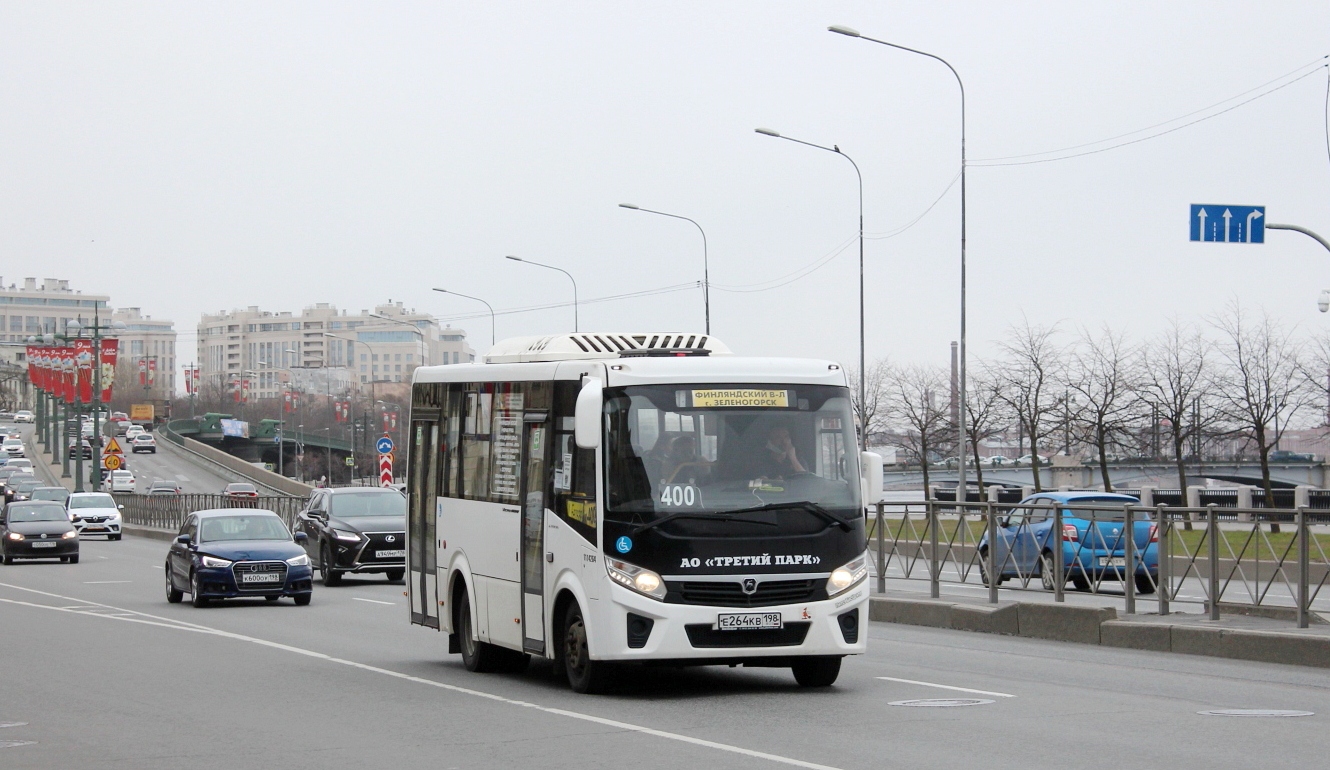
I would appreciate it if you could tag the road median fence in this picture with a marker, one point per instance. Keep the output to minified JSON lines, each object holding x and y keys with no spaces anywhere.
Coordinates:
{"x":168,"y":512}
{"x":1243,"y":562}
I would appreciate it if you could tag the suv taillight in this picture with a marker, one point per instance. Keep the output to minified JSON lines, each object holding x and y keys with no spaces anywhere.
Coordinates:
{"x":1069,"y":533}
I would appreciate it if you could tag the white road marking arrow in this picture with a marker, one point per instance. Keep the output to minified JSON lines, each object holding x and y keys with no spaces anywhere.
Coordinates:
{"x":1228,"y":222}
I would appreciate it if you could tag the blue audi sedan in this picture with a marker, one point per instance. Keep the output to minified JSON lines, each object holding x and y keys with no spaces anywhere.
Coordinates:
{"x":1093,"y":544}
{"x":235,"y":553}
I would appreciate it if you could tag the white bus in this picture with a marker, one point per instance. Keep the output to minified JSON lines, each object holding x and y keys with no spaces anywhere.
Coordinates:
{"x":597,"y":499}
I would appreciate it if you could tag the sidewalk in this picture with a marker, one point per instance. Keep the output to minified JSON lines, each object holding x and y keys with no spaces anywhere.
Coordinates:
{"x":1242,"y":637}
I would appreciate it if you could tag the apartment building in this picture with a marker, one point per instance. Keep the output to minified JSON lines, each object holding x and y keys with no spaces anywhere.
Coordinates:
{"x":146,"y":340}
{"x":34,"y":309}
{"x":270,"y":349}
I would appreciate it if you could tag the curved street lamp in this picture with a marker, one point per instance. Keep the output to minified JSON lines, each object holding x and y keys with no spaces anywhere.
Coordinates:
{"x":561,"y":270}
{"x":477,"y":299}
{"x":706,"y":268}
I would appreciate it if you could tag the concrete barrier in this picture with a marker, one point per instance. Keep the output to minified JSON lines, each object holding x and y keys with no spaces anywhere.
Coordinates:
{"x":1136,"y":636}
{"x":260,"y":476}
{"x":993,"y":619}
{"x":133,"y":530}
{"x":1062,"y":622}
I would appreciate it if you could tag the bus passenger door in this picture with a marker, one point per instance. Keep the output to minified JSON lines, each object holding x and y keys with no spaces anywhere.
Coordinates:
{"x":422,"y":575}
{"x":536,"y":446}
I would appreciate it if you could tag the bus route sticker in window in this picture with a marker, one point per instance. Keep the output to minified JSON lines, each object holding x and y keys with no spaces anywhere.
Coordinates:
{"x":582,"y":512}
{"x":680,"y":496}
{"x":748,"y":397}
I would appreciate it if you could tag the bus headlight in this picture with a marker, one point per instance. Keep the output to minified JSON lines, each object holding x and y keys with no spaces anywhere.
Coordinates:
{"x":848,"y":575}
{"x":636,"y":578}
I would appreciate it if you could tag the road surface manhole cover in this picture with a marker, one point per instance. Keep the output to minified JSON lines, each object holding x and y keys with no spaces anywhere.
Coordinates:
{"x":1256,"y":713}
{"x":12,"y":724}
{"x":940,"y":703}
{"x":15,"y":744}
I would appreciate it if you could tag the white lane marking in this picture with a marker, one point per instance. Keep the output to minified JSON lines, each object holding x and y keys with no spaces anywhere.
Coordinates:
{"x":628,"y":726}
{"x":947,"y":687}
{"x":181,"y":477}
{"x":372,"y":601}
{"x":107,"y":582}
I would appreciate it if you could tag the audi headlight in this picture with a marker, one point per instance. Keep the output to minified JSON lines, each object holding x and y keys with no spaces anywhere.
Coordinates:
{"x":636,"y":578}
{"x":299,"y":561}
{"x":70,"y":535}
{"x":350,"y":537}
{"x":213,"y":561}
{"x":849,"y":575}
{"x":15,"y":536}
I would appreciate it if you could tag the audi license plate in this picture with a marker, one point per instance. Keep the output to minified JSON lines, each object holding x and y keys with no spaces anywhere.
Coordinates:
{"x":749,"y":621}
{"x":1112,"y":561}
{"x":390,"y":554}
{"x":43,"y":545}
{"x":261,"y":577}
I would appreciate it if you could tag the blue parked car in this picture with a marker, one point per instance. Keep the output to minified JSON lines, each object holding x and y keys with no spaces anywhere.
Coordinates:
{"x":231,"y":553}
{"x":1093,"y":543}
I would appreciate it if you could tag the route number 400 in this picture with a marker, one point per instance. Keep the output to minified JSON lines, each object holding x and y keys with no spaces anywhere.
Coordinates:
{"x":680,"y":496}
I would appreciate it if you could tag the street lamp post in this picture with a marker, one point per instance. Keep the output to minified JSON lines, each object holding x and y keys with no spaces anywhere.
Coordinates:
{"x":561,"y":270}
{"x":477,"y":299}
{"x":863,"y":372}
{"x":706,"y":269}
{"x":961,"y":486}
{"x":1324,"y":302}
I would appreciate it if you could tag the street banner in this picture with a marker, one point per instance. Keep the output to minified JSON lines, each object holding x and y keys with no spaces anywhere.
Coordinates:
{"x":143,"y":372}
{"x":83,"y":369}
{"x":31,"y":355}
{"x":67,"y":372}
{"x":110,"y":353}
{"x":287,"y":402}
{"x":191,"y":376}
{"x":152,"y":372}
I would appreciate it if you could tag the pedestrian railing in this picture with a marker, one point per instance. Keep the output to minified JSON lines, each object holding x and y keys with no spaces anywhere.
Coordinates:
{"x":1273,"y":559}
{"x":169,"y":511}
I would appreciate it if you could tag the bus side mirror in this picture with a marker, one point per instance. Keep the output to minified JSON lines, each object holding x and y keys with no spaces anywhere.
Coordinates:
{"x":586,"y":420}
{"x":870,"y":465}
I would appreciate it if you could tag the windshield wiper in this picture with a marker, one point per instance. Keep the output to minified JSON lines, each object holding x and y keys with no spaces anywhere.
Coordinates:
{"x":802,"y":505}
{"x":719,"y":516}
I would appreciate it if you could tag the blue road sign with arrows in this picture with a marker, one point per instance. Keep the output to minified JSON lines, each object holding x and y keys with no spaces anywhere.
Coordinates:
{"x":1227,"y":224}
{"x":385,"y":445}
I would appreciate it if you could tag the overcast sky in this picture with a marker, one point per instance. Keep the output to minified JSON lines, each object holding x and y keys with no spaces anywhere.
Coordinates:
{"x":195,"y":157}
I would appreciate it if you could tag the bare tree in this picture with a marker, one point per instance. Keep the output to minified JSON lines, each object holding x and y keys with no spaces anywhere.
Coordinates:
{"x":1262,"y":381}
{"x":1102,"y":376}
{"x":1175,"y":371}
{"x":919,"y":405}
{"x":1028,"y":382}
{"x":873,"y":413}
{"x":985,"y":413}
{"x":1316,"y":372}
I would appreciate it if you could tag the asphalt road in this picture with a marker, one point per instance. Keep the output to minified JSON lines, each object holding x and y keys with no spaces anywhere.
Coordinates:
{"x":105,"y":674}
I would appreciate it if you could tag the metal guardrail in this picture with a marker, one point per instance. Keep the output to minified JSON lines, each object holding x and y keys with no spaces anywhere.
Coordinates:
{"x":169,"y":511}
{"x":1243,"y":560}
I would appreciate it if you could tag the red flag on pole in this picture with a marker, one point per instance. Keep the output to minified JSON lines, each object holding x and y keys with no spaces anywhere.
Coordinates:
{"x":83,"y":369}
{"x":109,"y":354}
{"x":152,"y":372}
{"x":143,"y":372}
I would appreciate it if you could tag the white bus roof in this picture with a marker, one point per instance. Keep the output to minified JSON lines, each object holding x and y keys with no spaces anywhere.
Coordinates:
{"x":585,"y":346}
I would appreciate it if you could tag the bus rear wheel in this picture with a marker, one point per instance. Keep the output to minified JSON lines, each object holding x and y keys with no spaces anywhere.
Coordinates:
{"x":584,"y":674}
{"x":816,"y":671}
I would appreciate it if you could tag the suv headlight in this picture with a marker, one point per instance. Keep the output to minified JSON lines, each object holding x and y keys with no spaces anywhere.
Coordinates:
{"x":636,"y":578}
{"x":350,"y":537}
{"x":299,"y":561}
{"x":213,"y":561}
{"x":847,"y":576}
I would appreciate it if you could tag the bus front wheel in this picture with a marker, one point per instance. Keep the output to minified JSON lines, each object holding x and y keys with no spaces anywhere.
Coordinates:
{"x":584,"y":674}
{"x":477,"y":656}
{"x":816,"y":671}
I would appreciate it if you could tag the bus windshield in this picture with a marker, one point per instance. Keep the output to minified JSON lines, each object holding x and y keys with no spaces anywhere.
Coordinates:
{"x":714,"y":450}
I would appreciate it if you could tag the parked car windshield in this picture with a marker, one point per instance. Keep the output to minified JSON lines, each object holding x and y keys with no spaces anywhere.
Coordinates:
{"x":36,"y":513}
{"x":97,"y":500}
{"x":369,"y":504}
{"x":242,"y":528}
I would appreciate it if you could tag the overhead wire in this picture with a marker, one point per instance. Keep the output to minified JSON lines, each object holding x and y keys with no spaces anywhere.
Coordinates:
{"x":592,"y":301}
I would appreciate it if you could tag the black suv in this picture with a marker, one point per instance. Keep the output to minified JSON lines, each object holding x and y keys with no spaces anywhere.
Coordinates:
{"x":355,"y":529}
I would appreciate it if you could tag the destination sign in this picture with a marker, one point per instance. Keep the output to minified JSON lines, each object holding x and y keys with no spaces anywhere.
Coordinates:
{"x":741,"y":397}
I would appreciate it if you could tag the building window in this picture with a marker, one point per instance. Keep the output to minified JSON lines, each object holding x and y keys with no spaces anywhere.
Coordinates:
{"x":399,"y":356}
{"x":362,"y":368}
{"x":363,"y":378}
{"x":408,"y":358}
{"x":399,"y":368}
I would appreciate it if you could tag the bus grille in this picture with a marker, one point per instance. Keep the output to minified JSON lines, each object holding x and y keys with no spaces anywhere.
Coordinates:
{"x":703,"y":635}
{"x":731,"y":594}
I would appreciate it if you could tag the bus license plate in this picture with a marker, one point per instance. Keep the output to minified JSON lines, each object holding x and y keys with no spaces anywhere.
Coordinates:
{"x":1112,"y":561}
{"x":390,"y":554}
{"x":749,"y":621}
{"x":261,"y":577}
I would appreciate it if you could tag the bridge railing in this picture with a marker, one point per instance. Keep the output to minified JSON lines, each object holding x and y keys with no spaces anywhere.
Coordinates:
{"x":169,"y":511}
{"x":1250,"y":562}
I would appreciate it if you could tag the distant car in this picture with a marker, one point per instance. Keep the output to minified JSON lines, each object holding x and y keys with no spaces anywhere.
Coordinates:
{"x":85,"y":448}
{"x":20,"y":464}
{"x":144,"y":442}
{"x":96,"y":513}
{"x":1092,"y":544}
{"x":7,"y":416}
{"x":54,"y":494}
{"x":134,"y":430}
{"x":119,"y":416}
{"x":119,"y":481}
{"x":164,"y":487}
{"x":1026,"y":460}
{"x":1285,"y":456}
{"x":355,"y":530}
{"x":37,"y":530}
{"x":240,"y":489}
{"x":11,"y":431}
{"x":7,"y":472}
{"x":23,"y":415}
{"x":23,"y":490}
{"x":226,"y":554}
{"x":12,"y":447}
